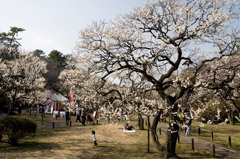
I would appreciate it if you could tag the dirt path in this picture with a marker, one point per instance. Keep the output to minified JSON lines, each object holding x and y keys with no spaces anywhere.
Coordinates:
{"x":220,"y":151}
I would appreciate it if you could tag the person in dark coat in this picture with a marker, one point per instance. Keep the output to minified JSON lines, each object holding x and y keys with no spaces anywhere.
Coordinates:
{"x":67,"y":116}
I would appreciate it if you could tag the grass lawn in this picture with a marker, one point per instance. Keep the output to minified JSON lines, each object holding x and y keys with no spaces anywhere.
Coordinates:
{"x":220,"y":133}
{"x":76,"y":142}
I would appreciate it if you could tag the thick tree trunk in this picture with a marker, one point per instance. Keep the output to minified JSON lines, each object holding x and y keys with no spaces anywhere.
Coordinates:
{"x":140,"y":122}
{"x":172,"y":132}
{"x":161,"y":149}
{"x":171,"y":142}
{"x":231,"y":117}
{"x":9,"y":109}
{"x":108,"y":119}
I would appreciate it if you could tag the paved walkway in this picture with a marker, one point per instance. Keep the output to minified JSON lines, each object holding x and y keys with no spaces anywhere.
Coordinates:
{"x":220,"y":151}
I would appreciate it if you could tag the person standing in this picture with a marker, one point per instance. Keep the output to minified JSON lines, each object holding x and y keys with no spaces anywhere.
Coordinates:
{"x":78,"y":115}
{"x":94,"y":138}
{"x":180,"y":117}
{"x":161,"y":117}
{"x":188,"y":123}
{"x":67,"y":116}
{"x":83,"y":114}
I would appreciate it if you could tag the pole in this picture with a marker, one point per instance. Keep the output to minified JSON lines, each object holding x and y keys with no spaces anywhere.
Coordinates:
{"x":148,"y":125}
{"x":212,"y":135}
{"x":42,"y":114}
{"x":192,"y":144}
{"x":229,"y":141}
{"x":213,"y":150}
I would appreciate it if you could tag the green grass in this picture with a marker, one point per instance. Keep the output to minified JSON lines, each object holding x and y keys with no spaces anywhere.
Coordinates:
{"x":76,"y":142}
{"x":220,"y":133}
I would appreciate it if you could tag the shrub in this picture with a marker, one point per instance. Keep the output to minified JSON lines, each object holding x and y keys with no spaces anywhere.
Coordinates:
{"x":17,"y":128}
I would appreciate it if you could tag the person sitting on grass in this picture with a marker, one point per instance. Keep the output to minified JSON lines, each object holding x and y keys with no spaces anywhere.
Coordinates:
{"x":127,"y":127}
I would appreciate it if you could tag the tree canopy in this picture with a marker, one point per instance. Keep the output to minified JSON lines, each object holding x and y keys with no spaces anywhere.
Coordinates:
{"x":156,"y":40}
{"x":39,"y":53}
{"x":58,"y":57}
{"x":9,"y":43}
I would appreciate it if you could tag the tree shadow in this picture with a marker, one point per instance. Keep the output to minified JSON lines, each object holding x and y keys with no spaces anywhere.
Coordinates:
{"x":28,"y":146}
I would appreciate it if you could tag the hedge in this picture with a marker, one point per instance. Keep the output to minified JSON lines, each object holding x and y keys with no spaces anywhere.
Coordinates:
{"x":17,"y":128}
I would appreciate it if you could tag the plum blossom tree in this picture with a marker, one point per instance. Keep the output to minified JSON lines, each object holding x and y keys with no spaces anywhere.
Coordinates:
{"x":220,"y":79}
{"x":22,"y":79}
{"x":83,"y":85}
{"x":91,"y":93}
{"x":156,"y":40}
{"x":129,"y":101}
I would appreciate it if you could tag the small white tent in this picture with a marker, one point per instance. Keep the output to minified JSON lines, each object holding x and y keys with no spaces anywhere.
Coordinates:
{"x":54,"y":103}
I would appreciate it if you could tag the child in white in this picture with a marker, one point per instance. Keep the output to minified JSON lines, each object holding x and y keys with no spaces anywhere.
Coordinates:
{"x":94,"y":138}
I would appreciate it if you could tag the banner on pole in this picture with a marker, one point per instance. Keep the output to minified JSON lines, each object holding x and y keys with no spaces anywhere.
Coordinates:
{"x":71,"y":98}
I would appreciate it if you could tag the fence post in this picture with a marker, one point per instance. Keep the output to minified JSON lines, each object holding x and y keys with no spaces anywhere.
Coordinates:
{"x":53,"y":125}
{"x":192,"y":144}
{"x":212,"y":135}
{"x":213,"y":150}
{"x":42,"y":117}
{"x":229,"y":141}
{"x":143,"y":123}
{"x":148,"y":126}
{"x":199,"y":131}
{"x":70,"y":123}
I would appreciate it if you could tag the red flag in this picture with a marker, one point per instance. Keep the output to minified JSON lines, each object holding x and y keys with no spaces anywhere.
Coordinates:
{"x":71,"y":98}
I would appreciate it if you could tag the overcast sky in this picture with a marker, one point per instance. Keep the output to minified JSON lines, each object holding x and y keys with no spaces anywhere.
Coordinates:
{"x":55,"y":24}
